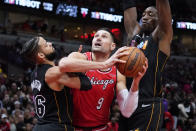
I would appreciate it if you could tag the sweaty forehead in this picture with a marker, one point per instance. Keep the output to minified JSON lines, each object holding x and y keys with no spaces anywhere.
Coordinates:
{"x":102,"y":32}
{"x":41,"y":41}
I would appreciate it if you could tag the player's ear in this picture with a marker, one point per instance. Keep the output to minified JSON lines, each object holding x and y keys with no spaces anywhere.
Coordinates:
{"x":40,"y":55}
{"x":113,"y":46}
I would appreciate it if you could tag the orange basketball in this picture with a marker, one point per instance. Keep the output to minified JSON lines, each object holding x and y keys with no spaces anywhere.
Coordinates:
{"x":134,"y":62}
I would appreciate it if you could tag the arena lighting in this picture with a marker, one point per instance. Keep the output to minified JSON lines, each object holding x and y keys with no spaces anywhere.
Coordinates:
{"x":186,"y":25}
{"x":86,"y":36}
{"x":84,"y":12}
{"x":106,"y":16}
{"x":48,"y":6}
{"x":25,"y":3}
{"x":69,"y":10}
{"x":92,"y":34}
{"x":115,"y":30}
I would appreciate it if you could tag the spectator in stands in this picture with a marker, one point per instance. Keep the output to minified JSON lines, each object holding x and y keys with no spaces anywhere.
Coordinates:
{"x":26,"y":26}
{"x":20,"y":125}
{"x":183,"y":114}
{"x":4,"y":123}
{"x":7,"y":104}
{"x":168,"y":121}
{"x":28,"y":118}
{"x":174,"y":110}
{"x":28,"y":127}
{"x":12,"y":124}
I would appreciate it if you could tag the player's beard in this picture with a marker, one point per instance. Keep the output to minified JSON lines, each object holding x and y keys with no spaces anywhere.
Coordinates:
{"x":147,"y":30}
{"x":51,"y":56}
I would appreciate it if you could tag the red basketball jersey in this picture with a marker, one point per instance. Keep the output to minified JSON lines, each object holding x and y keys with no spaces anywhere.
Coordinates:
{"x":92,"y":107}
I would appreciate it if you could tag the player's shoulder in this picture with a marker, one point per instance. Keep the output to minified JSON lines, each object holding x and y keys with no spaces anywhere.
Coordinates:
{"x":43,"y":69}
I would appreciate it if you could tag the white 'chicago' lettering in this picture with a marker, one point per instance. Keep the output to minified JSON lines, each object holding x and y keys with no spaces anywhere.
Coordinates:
{"x":95,"y":81}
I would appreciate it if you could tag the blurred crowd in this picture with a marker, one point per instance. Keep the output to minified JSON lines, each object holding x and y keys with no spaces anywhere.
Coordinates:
{"x":62,"y":35}
{"x":33,"y":27}
{"x":58,"y":31}
{"x":98,"y":4}
{"x":179,"y":91}
{"x":16,"y":102}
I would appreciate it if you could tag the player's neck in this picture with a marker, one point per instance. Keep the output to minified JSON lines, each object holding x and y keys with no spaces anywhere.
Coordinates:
{"x":100,"y":57}
{"x":145,"y":33}
{"x":49,"y":62}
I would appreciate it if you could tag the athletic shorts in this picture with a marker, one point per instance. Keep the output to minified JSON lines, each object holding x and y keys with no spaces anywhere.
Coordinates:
{"x":52,"y":127}
{"x":147,"y":117}
{"x":98,"y":128}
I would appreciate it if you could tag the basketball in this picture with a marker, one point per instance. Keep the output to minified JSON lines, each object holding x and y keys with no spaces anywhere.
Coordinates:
{"x":134,"y":62}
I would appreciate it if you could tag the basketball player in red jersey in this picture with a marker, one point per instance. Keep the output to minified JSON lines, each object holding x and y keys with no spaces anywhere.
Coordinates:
{"x":92,"y":107}
{"x":51,"y":88}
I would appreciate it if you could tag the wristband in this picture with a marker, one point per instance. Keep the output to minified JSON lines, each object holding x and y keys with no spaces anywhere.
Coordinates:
{"x":85,"y":82}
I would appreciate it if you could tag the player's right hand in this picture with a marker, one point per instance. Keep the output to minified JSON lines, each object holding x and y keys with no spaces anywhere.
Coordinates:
{"x":115,"y":58}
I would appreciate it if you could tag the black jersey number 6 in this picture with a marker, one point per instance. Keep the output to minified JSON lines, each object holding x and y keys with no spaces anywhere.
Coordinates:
{"x":39,"y":105}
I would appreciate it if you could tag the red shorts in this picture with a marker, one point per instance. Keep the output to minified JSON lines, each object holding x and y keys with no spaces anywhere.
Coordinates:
{"x":101,"y":128}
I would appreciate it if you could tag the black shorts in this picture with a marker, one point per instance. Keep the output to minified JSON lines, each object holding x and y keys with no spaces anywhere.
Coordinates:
{"x":147,"y":117}
{"x":53,"y":127}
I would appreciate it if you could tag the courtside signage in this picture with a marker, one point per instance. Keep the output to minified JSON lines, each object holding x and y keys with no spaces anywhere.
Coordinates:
{"x":25,"y":3}
{"x":66,"y":10}
{"x":106,"y":16}
{"x":186,"y":25}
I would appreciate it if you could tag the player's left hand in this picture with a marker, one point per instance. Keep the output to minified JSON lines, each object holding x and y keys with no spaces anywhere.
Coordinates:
{"x":141,"y":74}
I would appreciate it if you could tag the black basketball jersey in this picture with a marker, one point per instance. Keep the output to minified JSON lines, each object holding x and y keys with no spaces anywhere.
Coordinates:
{"x":149,"y":113}
{"x":150,"y":84}
{"x":50,"y":106}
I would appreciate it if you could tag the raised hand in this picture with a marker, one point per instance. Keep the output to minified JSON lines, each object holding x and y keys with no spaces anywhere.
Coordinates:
{"x":136,"y":80}
{"x":115,"y":58}
{"x":141,"y":74}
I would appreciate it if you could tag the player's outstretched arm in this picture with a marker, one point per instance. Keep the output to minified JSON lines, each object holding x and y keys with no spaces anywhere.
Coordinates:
{"x":77,"y":62}
{"x":136,"y":80}
{"x":56,"y":80}
{"x":130,"y":18}
{"x":164,"y":31}
{"x":128,"y":100}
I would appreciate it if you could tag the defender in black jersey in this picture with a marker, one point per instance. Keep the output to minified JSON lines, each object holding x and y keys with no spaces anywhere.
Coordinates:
{"x":155,"y":35}
{"x":52,"y":97}
{"x":52,"y":100}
